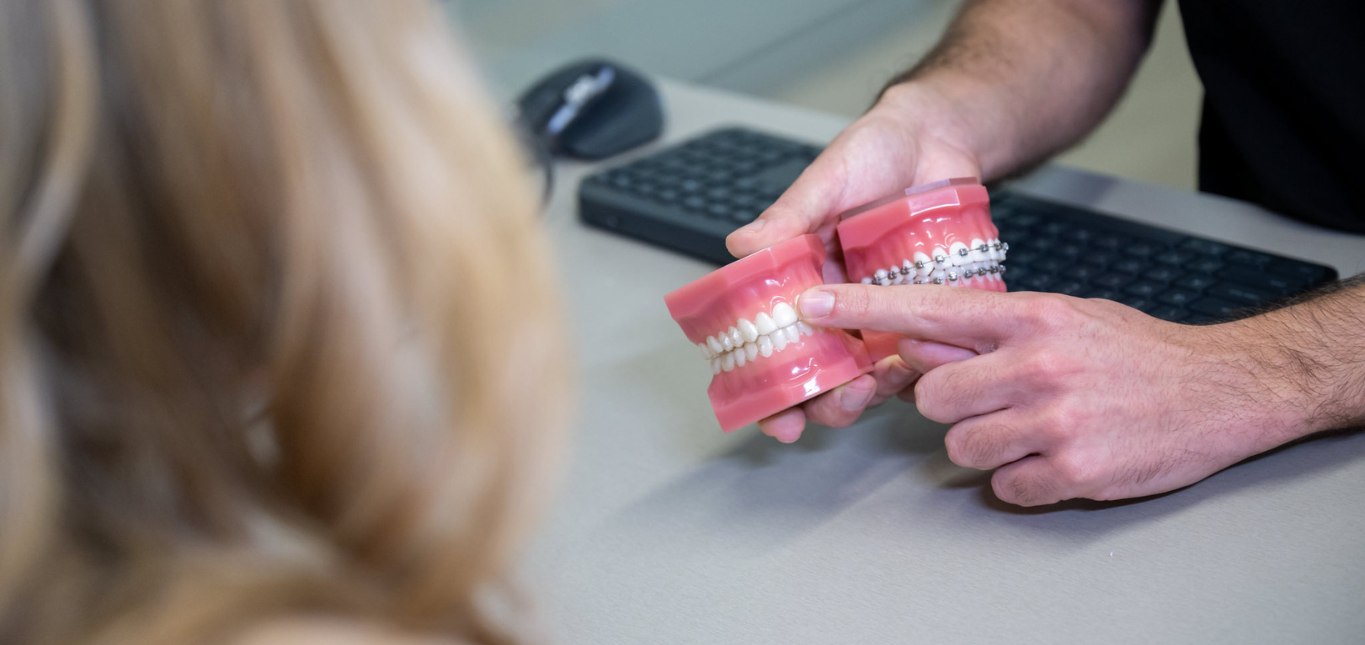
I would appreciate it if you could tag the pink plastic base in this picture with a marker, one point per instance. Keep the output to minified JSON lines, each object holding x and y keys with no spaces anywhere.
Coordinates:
{"x":807,"y":366}
{"x":830,"y":359}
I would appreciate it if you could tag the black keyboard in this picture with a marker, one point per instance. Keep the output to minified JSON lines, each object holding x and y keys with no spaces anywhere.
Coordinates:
{"x":689,"y":196}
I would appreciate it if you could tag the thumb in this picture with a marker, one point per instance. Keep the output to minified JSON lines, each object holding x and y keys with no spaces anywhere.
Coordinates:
{"x":811,"y":202}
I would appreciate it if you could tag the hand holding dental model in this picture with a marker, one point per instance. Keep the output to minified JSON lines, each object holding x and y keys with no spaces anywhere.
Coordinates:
{"x":741,"y":316}
{"x":1063,"y":397}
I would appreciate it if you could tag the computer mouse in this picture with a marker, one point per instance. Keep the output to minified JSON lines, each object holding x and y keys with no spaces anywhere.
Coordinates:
{"x":591,"y":109}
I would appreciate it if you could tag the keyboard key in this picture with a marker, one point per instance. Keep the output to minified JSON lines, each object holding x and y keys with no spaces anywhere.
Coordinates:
{"x":1068,"y":287}
{"x":1242,"y":294}
{"x":1113,"y":280}
{"x":1253,"y":258}
{"x":1141,"y":250}
{"x":1205,"y":265}
{"x":1097,"y":260}
{"x":1050,"y":265}
{"x":1162,"y":274}
{"x":1204,"y":247}
{"x":1280,"y":284}
{"x":1138,"y":303}
{"x":1169,"y":313}
{"x":1033,"y":282}
{"x":1175,"y":258}
{"x":1310,"y":274}
{"x":1196,"y":281}
{"x":1214,"y":307}
{"x":1084,"y":272}
{"x":1177,"y":297}
{"x":1144,"y":288}
{"x":1128,"y":265}
{"x":1109,"y":242}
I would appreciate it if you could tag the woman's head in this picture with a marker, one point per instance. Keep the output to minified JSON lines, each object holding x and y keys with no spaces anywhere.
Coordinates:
{"x":275,"y":328}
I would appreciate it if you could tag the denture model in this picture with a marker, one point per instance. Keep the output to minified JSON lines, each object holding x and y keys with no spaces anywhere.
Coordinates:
{"x":939,"y":233}
{"x":763,"y":359}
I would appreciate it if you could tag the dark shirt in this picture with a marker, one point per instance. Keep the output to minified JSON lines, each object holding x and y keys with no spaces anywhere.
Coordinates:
{"x":1284,"y":104}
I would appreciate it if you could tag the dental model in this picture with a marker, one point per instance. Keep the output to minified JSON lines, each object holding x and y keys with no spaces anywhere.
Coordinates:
{"x":762,"y":358}
{"x":939,"y":233}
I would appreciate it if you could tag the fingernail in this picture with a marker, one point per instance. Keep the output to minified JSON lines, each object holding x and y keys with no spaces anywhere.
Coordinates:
{"x":753,"y":227}
{"x":853,"y":400}
{"x":815,"y":303}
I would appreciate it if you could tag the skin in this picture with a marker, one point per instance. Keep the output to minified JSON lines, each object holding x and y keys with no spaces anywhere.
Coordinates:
{"x":1062,"y":397}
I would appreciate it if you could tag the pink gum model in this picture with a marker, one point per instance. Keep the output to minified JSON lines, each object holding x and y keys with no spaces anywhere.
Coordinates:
{"x":939,"y":233}
{"x":763,"y":359}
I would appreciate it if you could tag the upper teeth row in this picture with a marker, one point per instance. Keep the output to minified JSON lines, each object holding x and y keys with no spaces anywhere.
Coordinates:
{"x":958,"y":262}
{"x":744,"y":341}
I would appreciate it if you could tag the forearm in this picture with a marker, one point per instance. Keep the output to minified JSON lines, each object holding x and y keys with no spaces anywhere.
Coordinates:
{"x":1013,"y":81}
{"x":1309,"y":359}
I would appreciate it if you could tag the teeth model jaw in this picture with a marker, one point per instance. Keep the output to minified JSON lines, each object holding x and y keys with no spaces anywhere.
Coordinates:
{"x":939,"y":233}
{"x":763,"y":359}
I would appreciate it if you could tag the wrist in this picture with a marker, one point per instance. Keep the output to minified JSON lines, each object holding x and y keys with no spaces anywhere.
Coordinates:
{"x":1259,"y":376}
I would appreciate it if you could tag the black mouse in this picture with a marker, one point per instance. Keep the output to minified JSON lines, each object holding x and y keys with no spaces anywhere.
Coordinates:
{"x":591,"y":109}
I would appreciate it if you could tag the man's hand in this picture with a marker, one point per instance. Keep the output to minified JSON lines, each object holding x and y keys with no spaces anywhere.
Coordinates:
{"x":1066,"y":397}
{"x":885,"y":151}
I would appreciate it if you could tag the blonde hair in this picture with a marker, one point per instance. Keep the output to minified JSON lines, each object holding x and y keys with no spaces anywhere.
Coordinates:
{"x":276,"y":332}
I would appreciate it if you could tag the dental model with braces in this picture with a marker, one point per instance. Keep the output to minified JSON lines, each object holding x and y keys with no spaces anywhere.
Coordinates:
{"x":939,"y":233}
{"x":763,"y":358}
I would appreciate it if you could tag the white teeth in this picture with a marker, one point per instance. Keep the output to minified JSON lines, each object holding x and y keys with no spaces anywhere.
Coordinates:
{"x":959,"y":251}
{"x":976,"y":255}
{"x":764,"y":324}
{"x":867,"y":280}
{"x":769,"y":333}
{"x":784,"y":315}
{"x":780,"y":340}
{"x":879,"y":276}
{"x":748,"y":330}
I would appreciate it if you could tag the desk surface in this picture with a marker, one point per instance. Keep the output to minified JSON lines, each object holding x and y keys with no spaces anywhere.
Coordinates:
{"x":668,"y":531}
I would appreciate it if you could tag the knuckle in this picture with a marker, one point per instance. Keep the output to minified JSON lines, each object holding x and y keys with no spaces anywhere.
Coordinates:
{"x":1048,"y":312}
{"x":1016,"y":488}
{"x":969,"y":449}
{"x":1074,"y":470}
{"x":931,"y":405}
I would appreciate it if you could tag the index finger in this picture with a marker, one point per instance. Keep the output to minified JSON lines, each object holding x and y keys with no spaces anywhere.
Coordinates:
{"x":972,"y":318}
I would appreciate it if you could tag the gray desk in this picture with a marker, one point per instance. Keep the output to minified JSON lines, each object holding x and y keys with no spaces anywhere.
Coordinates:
{"x":668,"y":531}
